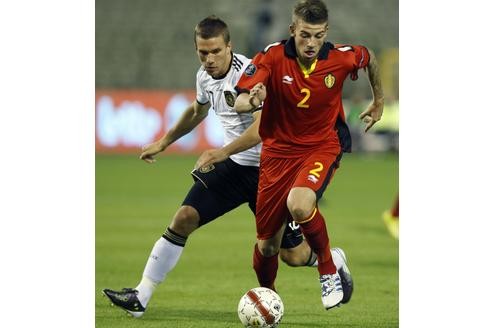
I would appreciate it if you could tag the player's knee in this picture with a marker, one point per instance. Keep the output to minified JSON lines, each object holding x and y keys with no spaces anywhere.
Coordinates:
{"x":299,"y":210}
{"x":185,"y":221}
{"x":301,"y":203}
{"x":268,"y":250}
{"x":289,"y":258}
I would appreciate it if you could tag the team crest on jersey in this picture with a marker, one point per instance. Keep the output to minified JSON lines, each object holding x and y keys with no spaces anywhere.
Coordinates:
{"x":250,"y":70}
{"x":329,"y":80}
{"x":229,"y":98}
{"x":207,"y":168}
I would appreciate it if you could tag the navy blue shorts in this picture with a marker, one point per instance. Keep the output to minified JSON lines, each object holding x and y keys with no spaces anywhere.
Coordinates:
{"x":224,"y":186}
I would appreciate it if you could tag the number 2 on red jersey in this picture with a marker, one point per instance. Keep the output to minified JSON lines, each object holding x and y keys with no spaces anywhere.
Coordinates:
{"x":303,"y":102}
{"x":317,"y":169}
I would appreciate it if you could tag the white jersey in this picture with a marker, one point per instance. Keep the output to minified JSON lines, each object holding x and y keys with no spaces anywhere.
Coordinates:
{"x":220,"y":93}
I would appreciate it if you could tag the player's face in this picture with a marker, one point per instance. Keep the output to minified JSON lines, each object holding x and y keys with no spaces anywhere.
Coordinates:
{"x":214,"y":54}
{"x":309,"y":39}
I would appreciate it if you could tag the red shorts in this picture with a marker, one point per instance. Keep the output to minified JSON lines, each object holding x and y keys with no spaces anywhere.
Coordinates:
{"x":279,"y":175}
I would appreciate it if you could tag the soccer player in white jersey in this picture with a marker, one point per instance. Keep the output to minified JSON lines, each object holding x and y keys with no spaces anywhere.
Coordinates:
{"x":218,"y":188}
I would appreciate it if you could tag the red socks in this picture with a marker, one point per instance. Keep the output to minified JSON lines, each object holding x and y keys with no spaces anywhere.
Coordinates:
{"x":266,"y":268}
{"x":315,"y":231}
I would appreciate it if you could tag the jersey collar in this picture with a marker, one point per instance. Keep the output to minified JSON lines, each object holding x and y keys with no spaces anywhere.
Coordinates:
{"x":290,"y":49}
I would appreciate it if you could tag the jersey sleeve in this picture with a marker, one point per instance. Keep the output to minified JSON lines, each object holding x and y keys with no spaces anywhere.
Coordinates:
{"x":361,"y":60}
{"x":201,"y":95}
{"x":257,"y":71}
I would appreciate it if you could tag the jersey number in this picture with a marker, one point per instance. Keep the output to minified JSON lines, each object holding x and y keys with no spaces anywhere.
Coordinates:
{"x":302,"y":103}
{"x":315,"y":171}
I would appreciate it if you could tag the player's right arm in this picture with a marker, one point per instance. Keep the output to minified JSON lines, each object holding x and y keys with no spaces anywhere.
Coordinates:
{"x":192,"y":116}
{"x":249,"y":102}
{"x":248,"y":139}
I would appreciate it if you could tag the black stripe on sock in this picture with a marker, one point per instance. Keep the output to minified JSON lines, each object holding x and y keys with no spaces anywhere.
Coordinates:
{"x":174,"y":237}
{"x":312,"y":259}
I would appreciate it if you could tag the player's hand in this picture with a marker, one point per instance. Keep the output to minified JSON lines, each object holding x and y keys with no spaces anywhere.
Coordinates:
{"x":150,"y":150}
{"x":259,"y":91}
{"x":372,"y":114}
{"x":211,"y":156}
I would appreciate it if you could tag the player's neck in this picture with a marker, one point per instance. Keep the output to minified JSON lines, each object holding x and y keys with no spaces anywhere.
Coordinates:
{"x":307,"y":70}
{"x":306,"y":64}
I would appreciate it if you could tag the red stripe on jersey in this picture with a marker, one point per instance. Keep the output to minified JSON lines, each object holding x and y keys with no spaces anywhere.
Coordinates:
{"x":269,"y":318}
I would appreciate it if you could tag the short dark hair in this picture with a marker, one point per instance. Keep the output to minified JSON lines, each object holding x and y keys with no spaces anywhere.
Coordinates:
{"x":211,"y":27}
{"x":311,"y":11}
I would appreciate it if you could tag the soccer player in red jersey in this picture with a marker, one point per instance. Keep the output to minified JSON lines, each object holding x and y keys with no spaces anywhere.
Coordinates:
{"x":299,"y":83}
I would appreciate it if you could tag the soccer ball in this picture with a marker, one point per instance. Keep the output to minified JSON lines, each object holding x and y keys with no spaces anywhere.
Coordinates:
{"x":260,"y":307}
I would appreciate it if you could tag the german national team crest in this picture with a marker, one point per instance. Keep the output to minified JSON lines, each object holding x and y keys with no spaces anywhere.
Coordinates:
{"x":207,"y":168}
{"x":229,"y":98}
{"x":329,"y":80}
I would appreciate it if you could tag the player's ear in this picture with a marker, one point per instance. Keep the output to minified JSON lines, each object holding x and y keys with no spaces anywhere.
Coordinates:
{"x":292,"y":29}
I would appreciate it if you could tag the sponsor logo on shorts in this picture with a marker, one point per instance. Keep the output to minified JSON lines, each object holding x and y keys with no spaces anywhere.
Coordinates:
{"x":293,"y":225}
{"x":287,"y":79}
{"x":313,"y":179}
{"x":207,"y":168}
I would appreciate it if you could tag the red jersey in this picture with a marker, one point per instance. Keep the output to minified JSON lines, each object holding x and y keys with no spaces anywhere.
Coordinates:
{"x":303,"y":110}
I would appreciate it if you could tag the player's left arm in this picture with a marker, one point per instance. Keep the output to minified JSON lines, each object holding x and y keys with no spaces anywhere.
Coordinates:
{"x":249,"y":138}
{"x":374,"y":111}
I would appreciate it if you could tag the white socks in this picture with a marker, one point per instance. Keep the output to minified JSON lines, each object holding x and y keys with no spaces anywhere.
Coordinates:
{"x":162,"y":260}
{"x":145,"y":288}
{"x":164,"y":257}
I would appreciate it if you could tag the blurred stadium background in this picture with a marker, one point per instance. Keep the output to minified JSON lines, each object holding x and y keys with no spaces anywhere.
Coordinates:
{"x":145,"y":76}
{"x":146,"y":64}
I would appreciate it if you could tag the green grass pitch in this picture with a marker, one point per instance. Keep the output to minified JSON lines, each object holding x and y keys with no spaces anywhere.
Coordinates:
{"x":135,"y":202}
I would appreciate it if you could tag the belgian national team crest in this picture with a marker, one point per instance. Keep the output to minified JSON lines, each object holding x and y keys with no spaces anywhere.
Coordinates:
{"x":229,"y":98}
{"x":329,"y":80}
